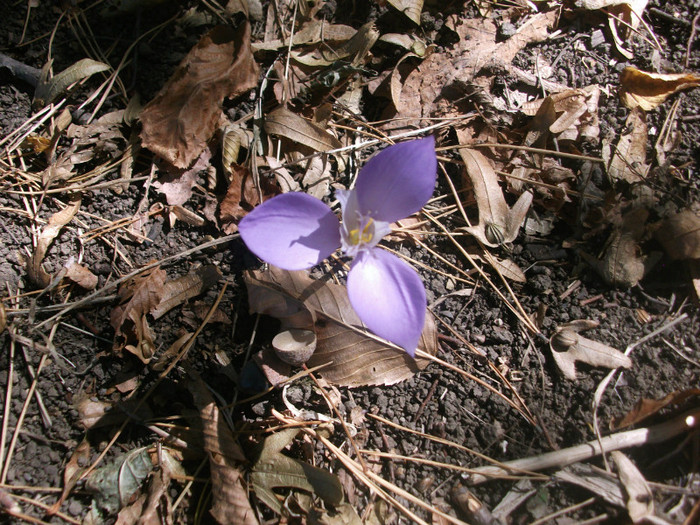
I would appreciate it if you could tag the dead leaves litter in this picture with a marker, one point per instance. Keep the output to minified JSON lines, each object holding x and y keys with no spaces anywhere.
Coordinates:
{"x":186,"y":112}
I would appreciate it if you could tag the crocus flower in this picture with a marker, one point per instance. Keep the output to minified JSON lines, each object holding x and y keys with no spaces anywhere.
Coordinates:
{"x":295,"y":231}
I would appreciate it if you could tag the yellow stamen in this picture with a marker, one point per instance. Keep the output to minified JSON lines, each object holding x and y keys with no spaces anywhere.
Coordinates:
{"x":354,"y":235}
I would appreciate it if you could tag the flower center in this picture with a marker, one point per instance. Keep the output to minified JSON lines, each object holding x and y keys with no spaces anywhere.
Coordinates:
{"x":363,"y":235}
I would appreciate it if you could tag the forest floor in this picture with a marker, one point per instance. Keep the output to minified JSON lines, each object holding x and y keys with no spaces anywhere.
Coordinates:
{"x":131,"y":347}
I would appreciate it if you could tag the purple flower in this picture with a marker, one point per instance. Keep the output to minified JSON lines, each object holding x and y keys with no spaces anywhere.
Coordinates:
{"x":295,"y":231}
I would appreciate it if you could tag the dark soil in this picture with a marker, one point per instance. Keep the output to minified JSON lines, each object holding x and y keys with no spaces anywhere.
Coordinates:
{"x":436,"y":401}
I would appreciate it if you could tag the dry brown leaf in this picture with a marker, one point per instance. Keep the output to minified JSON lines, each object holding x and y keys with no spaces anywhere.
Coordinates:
{"x":568,"y":347}
{"x":81,"y":276}
{"x":139,"y":297}
{"x":183,"y":116}
{"x":230,"y":503}
{"x":178,"y":185}
{"x":680,"y":235}
{"x":284,"y":123}
{"x":350,"y":355}
{"x":312,"y":32}
{"x":624,"y":17}
{"x":648,"y":407}
{"x":317,"y":179}
{"x":640,"y":499}
{"x":354,"y":50}
{"x":178,"y":212}
{"x":76,"y":465}
{"x":570,"y":114}
{"x":3,"y":317}
{"x":411,"y":8}
{"x":628,"y":161}
{"x":56,"y":222}
{"x":641,"y":89}
{"x":476,"y":50}
{"x":241,"y":197}
{"x":177,"y":291}
{"x":498,"y":224}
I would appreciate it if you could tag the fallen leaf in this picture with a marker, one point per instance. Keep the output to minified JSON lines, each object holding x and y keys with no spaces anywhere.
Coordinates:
{"x":680,"y":235}
{"x":230,"y":503}
{"x":183,"y":116}
{"x":570,"y":115}
{"x":353,"y":50}
{"x":568,"y":347}
{"x":411,"y":8}
{"x":177,"y":291}
{"x":648,"y":407}
{"x":241,"y":197}
{"x":317,"y":179}
{"x":275,"y":470}
{"x":285,"y":123}
{"x":498,"y":224}
{"x":628,"y":161}
{"x":178,"y":185}
{"x":76,"y":465}
{"x":350,"y":355}
{"x":312,"y":32}
{"x":49,"y":90}
{"x":81,"y":276}
{"x":624,"y":17}
{"x":640,"y":499}
{"x":641,"y":89}
{"x":57,"y":221}
{"x":139,"y":297}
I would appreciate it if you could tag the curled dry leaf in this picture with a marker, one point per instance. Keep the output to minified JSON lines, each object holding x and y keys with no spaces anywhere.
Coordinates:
{"x":275,"y":470}
{"x":624,"y":17}
{"x":183,"y":116}
{"x":139,"y":297}
{"x":177,"y":291}
{"x":641,"y":89}
{"x":354,"y":50}
{"x":568,"y":347}
{"x":230,"y":503}
{"x":411,"y":8}
{"x":56,"y":223}
{"x":569,"y":114}
{"x":350,"y":355}
{"x":72,"y":472}
{"x":49,"y":90}
{"x":498,"y":224}
{"x":680,"y":235}
{"x":284,"y":123}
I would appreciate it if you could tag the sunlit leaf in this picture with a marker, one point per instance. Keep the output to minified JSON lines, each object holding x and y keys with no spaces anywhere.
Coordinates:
{"x":641,"y":89}
{"x":49,"y":90}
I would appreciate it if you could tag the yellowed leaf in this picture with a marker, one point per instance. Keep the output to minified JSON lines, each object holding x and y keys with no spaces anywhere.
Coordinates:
{"x":641,"y":89}
{"x":183,"y":116}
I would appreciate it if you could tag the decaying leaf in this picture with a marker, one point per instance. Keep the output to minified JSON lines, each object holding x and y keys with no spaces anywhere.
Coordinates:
{"x":81,"y":276}
{"x":184,"y":115}
{"x":623,"y":263}
{"x":314,"y":31}
{"x":498,"y":224}
{"x":354,"y":50}
{"x":628,"y":161}
{"x":178,"y":186}
{"x":177,"y":291}
{"x":648,"y":407}
{"x":139,"y":297}
{"x":275,"y":470}
{"x":351,"y":356}
{"x":230,"y":503}
{"x":49,"y":90}
{"x":641,"y":89}
{"x":115,"y":484}
{"x":568,"y":347}
{"x":74,"y":468}
{"x":640,"y":499}
{"x":241,"y":197}
{"x":285,"y":123}
{"x":680,"y":235}
{"x":411,"y":8}
{"x":570,"y":114}
{"x":56,"y":222}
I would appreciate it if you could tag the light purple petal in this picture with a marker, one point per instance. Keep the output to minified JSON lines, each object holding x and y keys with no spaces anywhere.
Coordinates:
{"x":389,"y":297}
{"x":293,"y":231}
{"x":398,"y":181}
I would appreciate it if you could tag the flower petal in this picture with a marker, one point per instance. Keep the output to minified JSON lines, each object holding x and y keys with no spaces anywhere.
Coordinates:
{"x":398,"y":180}
{"x":389,"y":297}
{"x":293,"y":231}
